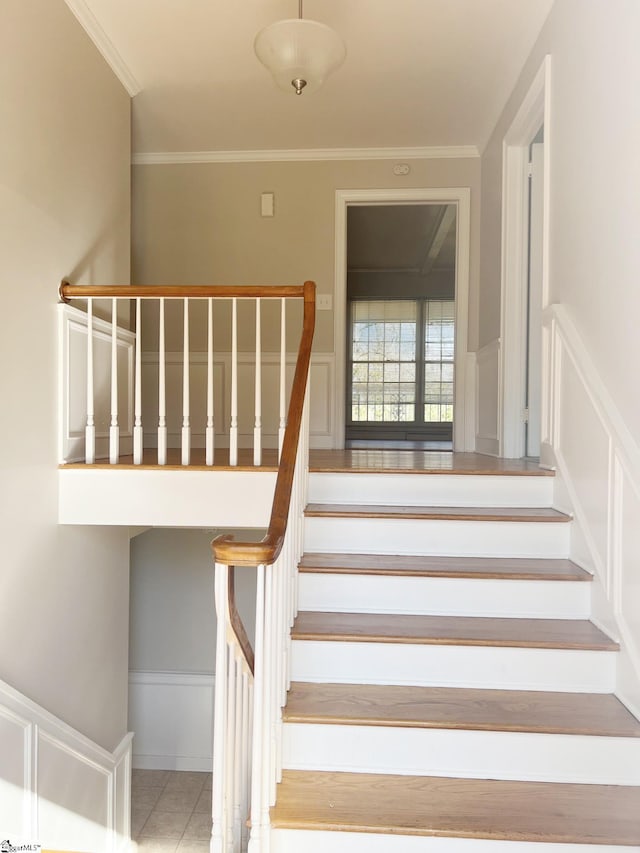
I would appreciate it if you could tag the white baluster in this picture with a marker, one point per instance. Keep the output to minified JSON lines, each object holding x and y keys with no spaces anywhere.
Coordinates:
{"x":114,"y":429}
{"x":90,"y":429}
{"x":137,"y":428}
{"x":233,"y":433}
{"x":210,"y":430}
{"x":246,"y":755}
{"x":230,"y":747}
{"x":237,"y":758}
{"x":257,"y":432}
{"x":162,"y":392}
{"x":186,"y":423}
{"x":283,"y":374}
{"x":220,"y":712}
{"x":258,"y":752}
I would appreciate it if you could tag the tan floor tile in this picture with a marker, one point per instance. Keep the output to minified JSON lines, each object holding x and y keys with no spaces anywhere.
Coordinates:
{"x":154,"y":845}
{"x":186,"y":780}
{"x":208,"y":783}
{"x":178,"y":800}
{"x":149,"y":778}
{"x":139,"y":817}
{"x":204,"y":804}
{"x":145,"y":798}
{"x":165,"y":824}
{"x":198,"y":828}
{"x":186,"y":846}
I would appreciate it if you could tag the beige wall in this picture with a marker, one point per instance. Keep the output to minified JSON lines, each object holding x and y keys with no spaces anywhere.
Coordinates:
{"x":64,"y":211}
{"x":201,"y":224}
{"x":173,"y":620}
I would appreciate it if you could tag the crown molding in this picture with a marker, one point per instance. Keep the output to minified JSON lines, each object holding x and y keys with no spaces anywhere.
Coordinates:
{"x":89,"y":23}
{"x":157,"y":158}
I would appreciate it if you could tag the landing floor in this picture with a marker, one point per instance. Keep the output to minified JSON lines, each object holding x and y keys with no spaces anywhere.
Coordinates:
{"x":370,"y":460}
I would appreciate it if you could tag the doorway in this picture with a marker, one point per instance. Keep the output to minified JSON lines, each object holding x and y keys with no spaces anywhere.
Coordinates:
{"x":401,"y":271}
{"x":452,"y":334}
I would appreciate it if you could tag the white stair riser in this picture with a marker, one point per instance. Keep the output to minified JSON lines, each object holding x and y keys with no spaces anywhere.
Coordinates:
{"x":298,"y":840}
{"x":446,"y":596}
{"x":436,"y":537}
{"x":460,"y":753}
{"x":430,"y":489}
{"x":499,"y":668}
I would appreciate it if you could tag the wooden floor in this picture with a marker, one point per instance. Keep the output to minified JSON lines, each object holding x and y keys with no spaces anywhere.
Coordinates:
{"x":356,"y":461}
{"x":462,"y":808}
{"x":505,"y":568}
{"x":460,"y":708}
{"x":421,"y":461}
{"x":451,"y":630}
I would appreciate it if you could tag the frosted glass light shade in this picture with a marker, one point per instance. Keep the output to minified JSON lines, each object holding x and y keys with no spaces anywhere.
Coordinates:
{"x":298,"y":49}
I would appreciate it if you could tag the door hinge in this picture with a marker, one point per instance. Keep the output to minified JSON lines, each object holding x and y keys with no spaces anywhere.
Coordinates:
{"x":525,"y":415}
{"x":530,"y":169}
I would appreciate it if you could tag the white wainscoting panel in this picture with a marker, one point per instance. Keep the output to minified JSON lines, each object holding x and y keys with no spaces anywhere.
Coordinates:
{"x":598,"y":464}
{"x":171,"y":714}
{"x":57,"y":787}
{"x":72,"y":384}
{"x":322,"y":416}
{"x":487,"y":396}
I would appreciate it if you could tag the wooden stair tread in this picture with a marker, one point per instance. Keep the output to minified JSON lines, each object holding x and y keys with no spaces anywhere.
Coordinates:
{"x":438,"y":513}
{"x":444,"y":567}
{"x":389,"y":461}
{"x":464,"y":808}
{"x":451,"y":630}
{"x":598,"y":714}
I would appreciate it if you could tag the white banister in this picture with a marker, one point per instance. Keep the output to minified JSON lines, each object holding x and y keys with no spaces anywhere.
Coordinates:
{"x":210,"y":428}
{"x":257,"y":430}
{"x":220,"y":712}
{"x":114,"y":430}
{"x":283,"y":374}
{"x":162,"y":390}
{"x":137,"y":427}
{"x":90,"y":429}
{"x":233,"y":432}
{"x":186,"y":405}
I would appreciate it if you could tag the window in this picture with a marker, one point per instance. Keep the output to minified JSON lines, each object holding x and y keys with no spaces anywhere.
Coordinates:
{"x":401,"y":367}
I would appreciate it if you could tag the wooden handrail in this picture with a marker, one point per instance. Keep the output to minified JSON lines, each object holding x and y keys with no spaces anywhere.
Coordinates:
{"x":237,"y":623}
{"x":69,"y":291}
{"x":225,"y":549}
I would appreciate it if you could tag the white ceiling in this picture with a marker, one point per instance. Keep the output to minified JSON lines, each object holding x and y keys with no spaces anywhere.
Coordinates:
{"x":418,"y":73}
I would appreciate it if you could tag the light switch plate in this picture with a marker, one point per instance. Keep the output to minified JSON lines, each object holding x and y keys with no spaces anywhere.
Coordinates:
{"x":324,"y":302}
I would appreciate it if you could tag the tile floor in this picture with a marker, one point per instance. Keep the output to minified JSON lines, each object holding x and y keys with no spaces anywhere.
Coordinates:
{"x":170,"y":811}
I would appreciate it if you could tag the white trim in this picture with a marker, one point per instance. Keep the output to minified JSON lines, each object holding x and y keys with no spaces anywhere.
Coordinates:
{"x":461,"y":197}
{"x":606,"y":539}
{"x":164,"y":703}
{"x":91,"y":26}
{"x":158,"y":158}
{"x":534,"y":112}
{"x":36,"y":726}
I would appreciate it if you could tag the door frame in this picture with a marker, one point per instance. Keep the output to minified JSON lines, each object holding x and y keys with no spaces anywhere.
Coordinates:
{"x":535,"y":111}
{"x":459,"y":196}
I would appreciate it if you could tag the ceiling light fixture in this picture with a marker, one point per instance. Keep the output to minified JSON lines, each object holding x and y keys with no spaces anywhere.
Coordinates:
{"x":299,"y":52}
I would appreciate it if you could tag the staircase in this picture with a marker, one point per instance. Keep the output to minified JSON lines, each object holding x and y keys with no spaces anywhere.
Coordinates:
{"x":449,"y":692}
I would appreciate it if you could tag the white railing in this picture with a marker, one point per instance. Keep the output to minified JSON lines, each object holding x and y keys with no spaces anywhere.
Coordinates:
{"x":247,"y":742}
{"x":247,"y":746}
{"x":203,"y":310}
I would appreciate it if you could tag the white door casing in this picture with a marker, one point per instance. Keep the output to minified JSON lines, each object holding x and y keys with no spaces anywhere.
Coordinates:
{"x":534,"y":112}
